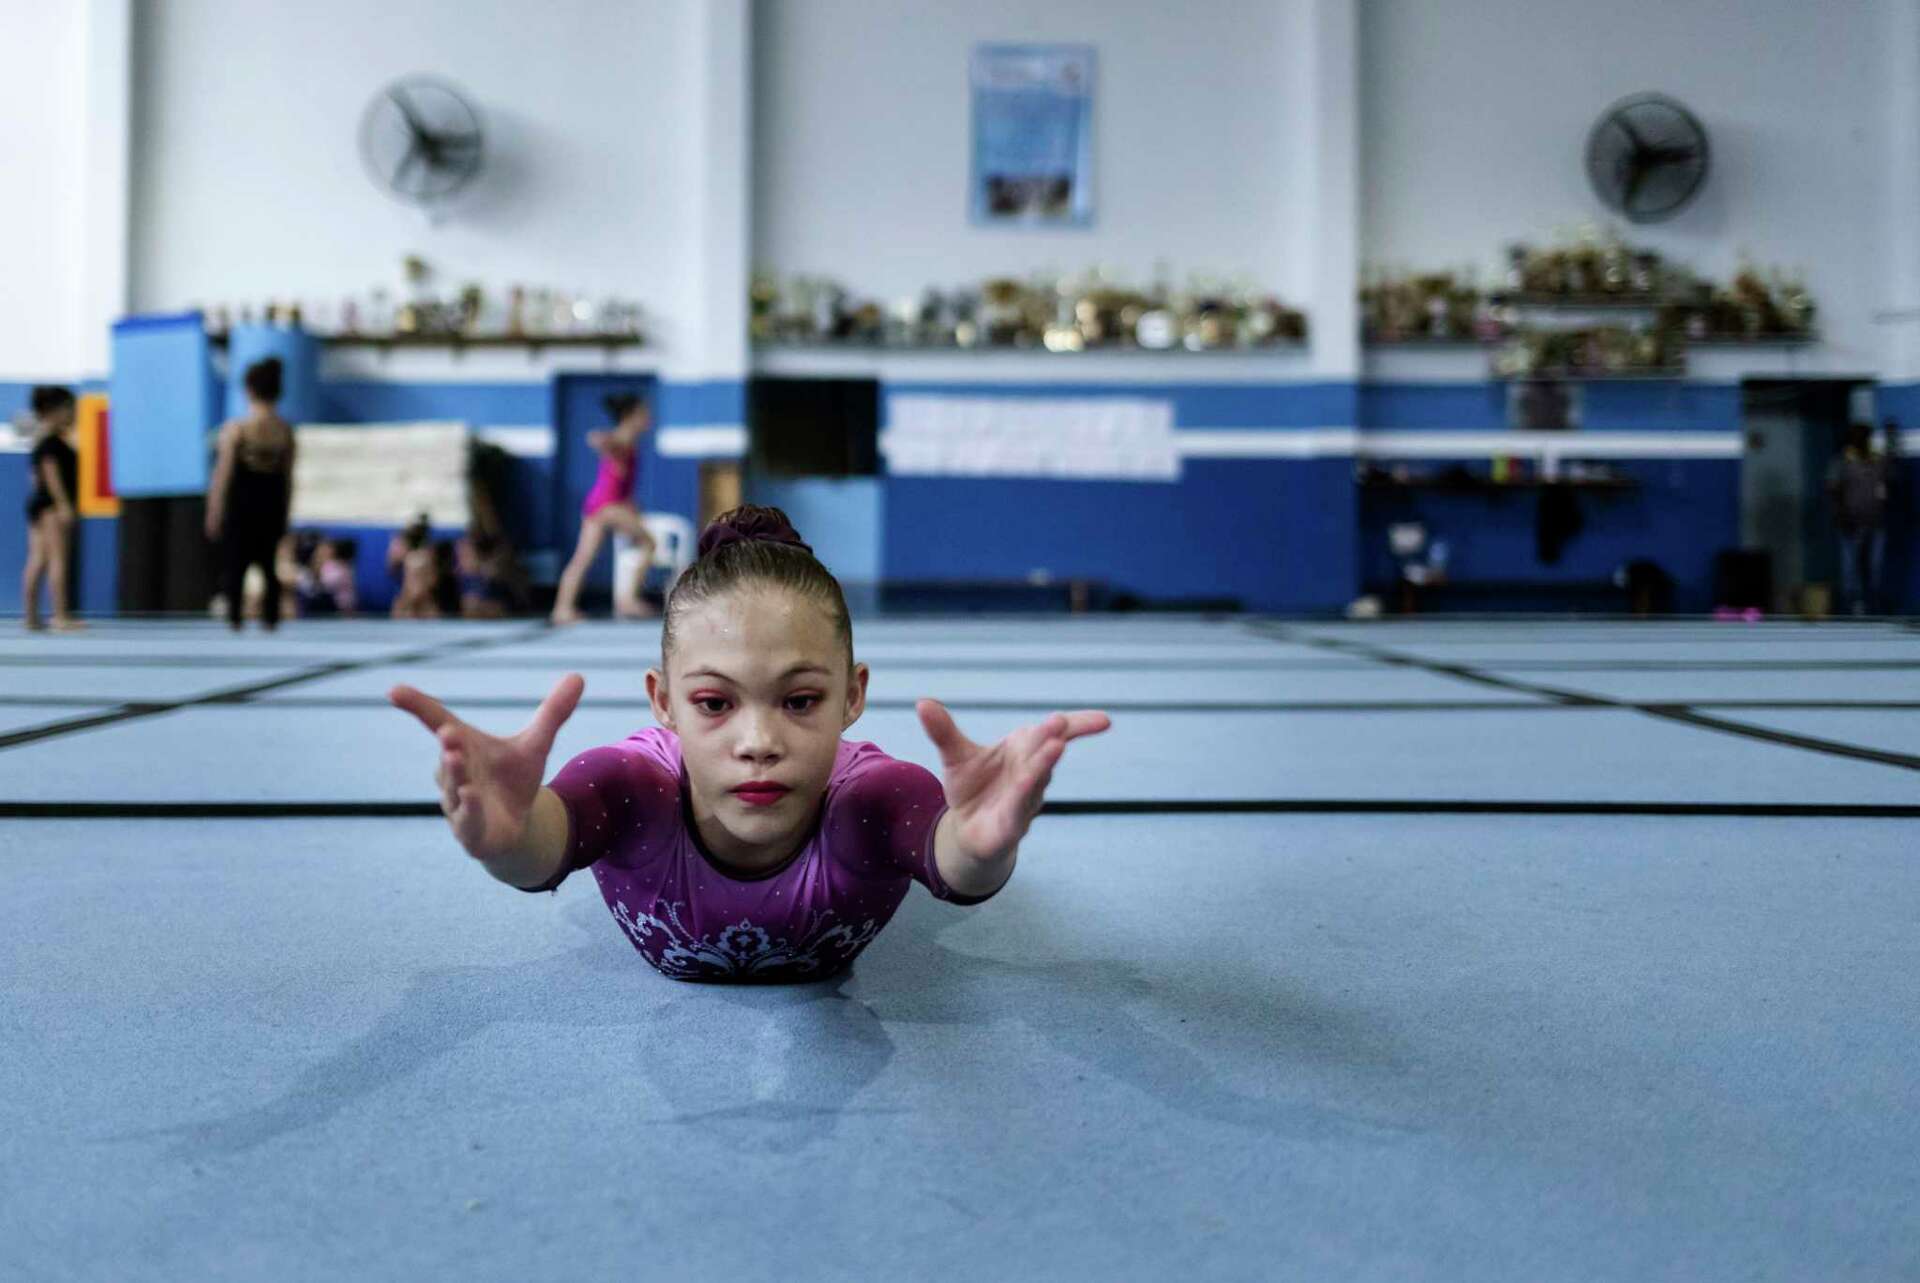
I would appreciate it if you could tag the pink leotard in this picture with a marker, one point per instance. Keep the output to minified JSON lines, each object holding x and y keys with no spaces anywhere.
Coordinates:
{"x":630,"y":822}
{"x":612,"y":484}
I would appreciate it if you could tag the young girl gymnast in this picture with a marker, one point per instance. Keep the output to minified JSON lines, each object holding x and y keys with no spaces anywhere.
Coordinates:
{"x":609,"y":506}
{"x":742,"y":839}
{"x":55,"y":477}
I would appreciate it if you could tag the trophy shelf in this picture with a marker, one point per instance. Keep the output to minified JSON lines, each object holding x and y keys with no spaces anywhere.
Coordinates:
{"x":1012,"y":349}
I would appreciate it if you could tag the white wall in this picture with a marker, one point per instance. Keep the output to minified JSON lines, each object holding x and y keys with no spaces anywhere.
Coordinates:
{"x":1475,"y":118}
{"x":1899,"y":231}
{"x":622,"y":165}
{"x":248,"y":182}
{"x":862,"y":140}
{"x":42,"y":114}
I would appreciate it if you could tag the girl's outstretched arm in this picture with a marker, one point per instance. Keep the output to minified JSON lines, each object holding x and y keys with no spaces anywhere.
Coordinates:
{"x":490,"y":788}
{"x":993,"y":792}
{"x":217,"y":485}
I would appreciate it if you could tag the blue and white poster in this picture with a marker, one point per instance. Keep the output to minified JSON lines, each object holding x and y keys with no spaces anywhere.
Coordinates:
{"x":1032,"y":134}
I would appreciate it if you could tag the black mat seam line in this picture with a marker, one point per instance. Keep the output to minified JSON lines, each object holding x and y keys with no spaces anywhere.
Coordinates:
{"x":165,"y":661}
{"x":1024,"y":706}
{"x":132,"y":710}
{"x":1678,"y":713}
{"x":456,"y":703}
{"x":570,"y":662}
{"x":1544,"y":633}
{"x":78,"y":810}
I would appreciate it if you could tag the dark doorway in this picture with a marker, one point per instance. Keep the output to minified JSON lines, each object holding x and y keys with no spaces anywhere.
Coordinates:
{"x":813,"y":427}
{"x":1793,"y":429}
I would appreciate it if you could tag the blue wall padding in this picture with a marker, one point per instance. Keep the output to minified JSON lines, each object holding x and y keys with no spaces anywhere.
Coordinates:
{"x":15,"y":398}
{"x":96,"y":559}
{"x":838,"y":516}
{"x":721,"y":401}
{"x":299,"y":354}
{"x":15,"y":486}
{"x":164,"y":402}
{"x":481,"y":404}
{"x":1276,"y":534}
{"x":1634,"y":405}
{"x":1684,"y":512}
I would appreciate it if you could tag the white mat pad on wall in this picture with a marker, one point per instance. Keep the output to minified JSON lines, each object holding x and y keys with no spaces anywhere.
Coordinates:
{"x":1087,"y":438}
{"x":380,"y":474}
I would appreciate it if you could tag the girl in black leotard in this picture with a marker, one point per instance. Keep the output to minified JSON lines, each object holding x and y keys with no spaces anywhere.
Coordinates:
{"x":50,"y":509}
{"x":252,"y":490}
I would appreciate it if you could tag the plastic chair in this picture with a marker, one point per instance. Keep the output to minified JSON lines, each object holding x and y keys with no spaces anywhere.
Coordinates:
{"x":672,"y":548}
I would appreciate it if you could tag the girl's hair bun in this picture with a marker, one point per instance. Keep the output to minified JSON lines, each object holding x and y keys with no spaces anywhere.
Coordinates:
{"x":749,"y":524}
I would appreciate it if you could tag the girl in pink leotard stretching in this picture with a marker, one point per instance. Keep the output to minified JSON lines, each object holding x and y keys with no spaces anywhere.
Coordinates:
{"x":743,"y":839}
{"x":609,"y":506}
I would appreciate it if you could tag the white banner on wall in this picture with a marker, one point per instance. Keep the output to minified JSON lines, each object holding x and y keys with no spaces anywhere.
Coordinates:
{"x":380,"y":474}
{"x":1087,"y":439}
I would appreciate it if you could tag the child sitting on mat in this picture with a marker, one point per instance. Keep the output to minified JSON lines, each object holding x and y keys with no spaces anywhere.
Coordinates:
{"x":742,"y":839}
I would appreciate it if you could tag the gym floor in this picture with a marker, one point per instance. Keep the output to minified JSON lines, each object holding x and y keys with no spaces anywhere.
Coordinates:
{"x":1581,"y":949}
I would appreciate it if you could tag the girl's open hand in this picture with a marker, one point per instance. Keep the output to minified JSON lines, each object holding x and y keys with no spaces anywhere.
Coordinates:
{"x":995,"y":791}
{"x":488,"y":784}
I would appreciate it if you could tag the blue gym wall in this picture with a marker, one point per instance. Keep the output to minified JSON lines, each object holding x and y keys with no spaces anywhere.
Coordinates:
{"x":1281,"y":533}
{"x":1272,"y":533}
{"x":1684,"y":511}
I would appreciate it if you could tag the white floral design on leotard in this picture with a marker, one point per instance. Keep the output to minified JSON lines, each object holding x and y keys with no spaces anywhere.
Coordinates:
{"x":742,"y":951}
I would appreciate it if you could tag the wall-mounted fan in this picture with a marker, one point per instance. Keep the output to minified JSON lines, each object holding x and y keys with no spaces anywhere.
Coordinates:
{"x":1647,"y":157}
{"x":420,"y":139}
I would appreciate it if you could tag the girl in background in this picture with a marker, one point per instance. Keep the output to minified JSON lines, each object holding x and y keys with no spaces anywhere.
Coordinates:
{"x":55,"y":467}
{"x":609,"y":507}
{"x":252,"y":492}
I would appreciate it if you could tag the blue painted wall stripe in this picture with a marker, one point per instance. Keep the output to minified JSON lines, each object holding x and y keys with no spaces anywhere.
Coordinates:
{"x":483,"y":404}
{"x":1638,"y":406}
{"x":721,"y":401}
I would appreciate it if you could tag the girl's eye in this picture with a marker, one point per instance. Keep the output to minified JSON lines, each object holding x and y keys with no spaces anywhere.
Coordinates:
{"x":806,"y":702}
{"x":704,"y":703}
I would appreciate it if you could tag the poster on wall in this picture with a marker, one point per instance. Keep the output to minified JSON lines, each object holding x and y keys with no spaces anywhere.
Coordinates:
{"x":1032,"y":135}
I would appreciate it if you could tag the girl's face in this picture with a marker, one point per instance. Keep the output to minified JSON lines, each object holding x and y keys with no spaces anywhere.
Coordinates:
{"x":758,"y":692}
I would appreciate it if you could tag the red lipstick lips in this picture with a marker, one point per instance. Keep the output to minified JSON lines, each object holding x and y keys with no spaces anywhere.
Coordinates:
{"x":760,"y":792}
